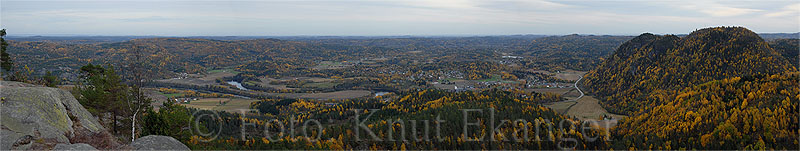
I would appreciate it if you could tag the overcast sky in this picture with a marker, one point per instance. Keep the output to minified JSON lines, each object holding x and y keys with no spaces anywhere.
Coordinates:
{"x":390,"y":17}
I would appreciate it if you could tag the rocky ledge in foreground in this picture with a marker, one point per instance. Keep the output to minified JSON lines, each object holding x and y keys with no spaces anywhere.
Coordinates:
{"x":36,"y":117}
{"x":42,"y":118}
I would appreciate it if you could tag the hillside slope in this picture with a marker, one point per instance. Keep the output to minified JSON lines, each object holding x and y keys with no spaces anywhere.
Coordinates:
{"x":789,"y":48}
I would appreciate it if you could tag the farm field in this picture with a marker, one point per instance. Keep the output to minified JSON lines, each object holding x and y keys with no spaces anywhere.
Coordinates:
{"x":265,"y":82}
{"x":560,"y":107}
{"x":570,"y":75}
{"x":588,"y":107}
{"x":571,"y":94}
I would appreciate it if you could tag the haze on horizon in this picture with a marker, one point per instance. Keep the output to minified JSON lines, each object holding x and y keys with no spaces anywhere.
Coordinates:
{"x":385,"y":18}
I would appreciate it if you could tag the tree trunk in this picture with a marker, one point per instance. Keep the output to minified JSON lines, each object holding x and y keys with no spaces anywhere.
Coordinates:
{"x":133,"y":126}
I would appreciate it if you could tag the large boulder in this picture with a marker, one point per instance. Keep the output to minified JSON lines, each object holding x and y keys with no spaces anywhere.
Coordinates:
{"x":36,"y":117}
{"x":157,"y":142}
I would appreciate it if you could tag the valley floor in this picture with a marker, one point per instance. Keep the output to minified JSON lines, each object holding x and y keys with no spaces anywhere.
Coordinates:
{"x":582,"y":106}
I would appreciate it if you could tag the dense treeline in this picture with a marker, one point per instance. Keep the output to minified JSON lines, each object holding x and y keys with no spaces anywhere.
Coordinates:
{"x":754,"y":112}
{"x":515,"y":116}
{"x":116,"y":104}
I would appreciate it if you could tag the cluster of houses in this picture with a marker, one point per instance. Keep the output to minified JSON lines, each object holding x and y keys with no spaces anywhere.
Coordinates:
{"x":490,"y":83}
{"x":183,"y":75}
{"x":548,"y":85}
{"x":539,"y":83}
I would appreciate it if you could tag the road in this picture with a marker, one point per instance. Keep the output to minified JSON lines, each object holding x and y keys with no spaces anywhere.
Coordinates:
{"x":559,"y":105}
{"x":579,"y":89}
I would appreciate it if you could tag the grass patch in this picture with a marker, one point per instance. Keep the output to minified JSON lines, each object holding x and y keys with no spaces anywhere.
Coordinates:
{"x":233,"y":105}
{"x":451,"y":79}
{"x":170,"y":95}
{"x":320,"y":85}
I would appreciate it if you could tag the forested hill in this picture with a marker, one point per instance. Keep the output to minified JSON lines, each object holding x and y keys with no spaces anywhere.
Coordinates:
{"x":649,"y":65}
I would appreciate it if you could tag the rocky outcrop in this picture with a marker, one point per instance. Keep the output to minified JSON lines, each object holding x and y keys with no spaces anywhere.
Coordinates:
{"x":42,"y":118}
{"x":157,"y":142}
{"x":35,"y":117}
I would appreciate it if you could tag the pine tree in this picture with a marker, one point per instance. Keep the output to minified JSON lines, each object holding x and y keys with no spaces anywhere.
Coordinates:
{"x":5,"y":59}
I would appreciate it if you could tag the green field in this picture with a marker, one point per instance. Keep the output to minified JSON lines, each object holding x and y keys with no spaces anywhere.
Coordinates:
{"x":170,"y":95}
{"x":320,"y":85}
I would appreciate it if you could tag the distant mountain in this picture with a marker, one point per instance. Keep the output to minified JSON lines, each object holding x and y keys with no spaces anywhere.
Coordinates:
{"x":77,"y":39}
{"x":577,"y":52}
{"x":780,"y":35}
{"x":646,"y":67}
{"x":163,"y":56}
{"x":166,"y":56}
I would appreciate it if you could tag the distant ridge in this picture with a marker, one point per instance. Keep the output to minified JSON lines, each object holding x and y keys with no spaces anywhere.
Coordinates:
{"x":104,"y":39}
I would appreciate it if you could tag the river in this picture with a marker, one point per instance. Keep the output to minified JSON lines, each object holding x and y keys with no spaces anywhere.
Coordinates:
{"x":238,"y":85}
{"x":381,"y":93}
